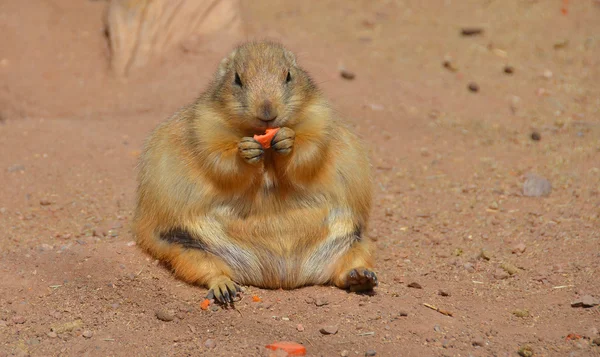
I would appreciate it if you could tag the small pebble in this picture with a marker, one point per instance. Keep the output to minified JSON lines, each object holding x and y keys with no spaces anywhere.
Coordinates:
{"x":321,"y":302}
{"x":87,"y":334}
{"x":164,"y":315}
{"x":521,"y":313}
{"x":525,"y":351}
{"x":509,"y":268}
{"x":52,"y":334}
{"x":485,"y":255}
{"x":371,"y":353}
{"x":300,"y":328}
{"x":473,"y":87}
{"x":415,"y":285}
{"x":536,"y":186}
{"x":519,"y":248}
{"x":535,"y":136}
{"x":18,"y":319}
{"x":586,"y":301}
{"x":347,"y":74}
{"x":478,"y":342}
{"x":500,"y":274}
{"x":210,"y":344}
{"x":471,"y":31}
{"x":469,"y":267}
{"x":437,"y":328}
{"x":443,"y":293}
{"x":329,"y":330}
{"x":15,"y":168}
{"x":345,"y":353}
{"x":509,"y":69}
{"x":547,"y":74}
{"x":45,"y":202}
{"x":403,"y":313}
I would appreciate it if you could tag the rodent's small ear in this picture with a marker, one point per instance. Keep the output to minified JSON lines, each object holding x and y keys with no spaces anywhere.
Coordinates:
{"x":225,"y":64}
{"x":290,"y":56}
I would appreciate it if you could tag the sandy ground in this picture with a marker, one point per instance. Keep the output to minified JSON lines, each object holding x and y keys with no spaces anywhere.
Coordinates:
{"x":449,"y":211}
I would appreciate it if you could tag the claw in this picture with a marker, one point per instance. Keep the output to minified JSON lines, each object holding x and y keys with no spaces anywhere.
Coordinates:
{"x":353,"y":274}
{"x":210,"y":295}
{"x":226,"y":296}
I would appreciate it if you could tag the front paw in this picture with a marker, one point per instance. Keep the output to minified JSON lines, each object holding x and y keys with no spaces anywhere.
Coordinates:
{"x":283,"y":142}
{"x":361,"y":279}
{"x":250,"y":150}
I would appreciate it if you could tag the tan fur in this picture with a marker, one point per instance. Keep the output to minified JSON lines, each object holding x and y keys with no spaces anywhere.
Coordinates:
{"x":283,"y":222}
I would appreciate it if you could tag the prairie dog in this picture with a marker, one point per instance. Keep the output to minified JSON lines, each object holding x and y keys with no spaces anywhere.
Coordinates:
{"x":221,"y":210}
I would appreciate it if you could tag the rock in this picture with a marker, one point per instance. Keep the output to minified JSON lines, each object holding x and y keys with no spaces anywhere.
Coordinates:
{"x":371,"y":353}
{"x":547,"y":74}
{"x":521,"y":313}
{"x":509,"y":268}
{"x":519,"y":249}
{"x":87,"y":334}
{"x":525,"y":351}
{"x":345,"y":353}
{"x":473,"y":87}
{"x":45,"y":202}
{"x":500,"y":274}
{"x":479,"y":342}
{"x":346,"y":74}
{"x":509,"y":69}
{"x":164,"y":315}
{"x":45,"y":247}
{"x":329,"y":330}
{"x":300,"y":328}
{"x":66,"y":327}
{"x":437,"y":328}
{"x":469,"y":267}
{"x":485,"y":254}
{"x":536,"y":186}
{"x":471,"y":31}
{"x":535,"y":136}
{"x":15,"y":168}
{"x":52,"y":334}
{"x":415,"y":285}
{"x":443,"y":293}
{"x":403,"y":313}
{"x":586,"y":301}
{"x":321,"y":302}
{"x":210,"y":344}
{"x":19,"y":319}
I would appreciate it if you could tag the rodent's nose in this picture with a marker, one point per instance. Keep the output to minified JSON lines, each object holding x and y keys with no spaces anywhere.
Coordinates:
{"x":266,"y":111}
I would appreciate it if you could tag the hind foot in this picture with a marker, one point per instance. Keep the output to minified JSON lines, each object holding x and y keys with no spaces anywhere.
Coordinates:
{"x":224,"y":291}
{"x":361,"y":279}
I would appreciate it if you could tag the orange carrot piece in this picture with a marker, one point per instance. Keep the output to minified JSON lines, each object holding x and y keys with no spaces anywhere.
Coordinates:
{"x":265,"y":140}
{"x":204,"y":304}
{"x":292,"y":348}
{"x":256,"y":298}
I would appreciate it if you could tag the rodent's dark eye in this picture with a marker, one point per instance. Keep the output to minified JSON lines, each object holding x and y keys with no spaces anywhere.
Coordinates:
{"x":288,"y":79}
{"x":238,"y":80}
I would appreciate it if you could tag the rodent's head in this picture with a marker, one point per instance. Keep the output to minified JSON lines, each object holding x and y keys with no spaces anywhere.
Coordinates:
{"x":260,"y":86}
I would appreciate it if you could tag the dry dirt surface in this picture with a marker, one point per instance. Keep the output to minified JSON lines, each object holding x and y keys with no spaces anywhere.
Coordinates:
{"x":455,"y":123}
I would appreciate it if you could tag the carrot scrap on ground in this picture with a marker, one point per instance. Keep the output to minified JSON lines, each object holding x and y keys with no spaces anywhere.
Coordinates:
{"x":292,"y":348}
{"x":565,"y":7}
{"x":573,"y":336}
{"x":256,"y":298}
{"x":205,"y":304}
{"x":265,"y":140}
{"x":443,"y":312}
